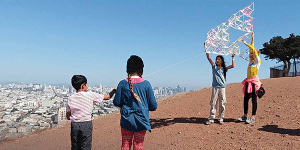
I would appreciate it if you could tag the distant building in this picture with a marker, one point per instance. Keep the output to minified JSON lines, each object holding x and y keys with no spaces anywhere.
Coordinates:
{"x":47,"y":103}
{"x":22,"y":129}
{"x":45,"y":125}
{"x":278,"y":71}
{"x":12,"y":130}
{"x":8,"y":105}
{"x":32,"y":103}
{"x":62,"y":113}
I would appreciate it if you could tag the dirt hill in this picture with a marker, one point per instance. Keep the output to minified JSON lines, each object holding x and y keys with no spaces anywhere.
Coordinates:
{"x":179,"y":121}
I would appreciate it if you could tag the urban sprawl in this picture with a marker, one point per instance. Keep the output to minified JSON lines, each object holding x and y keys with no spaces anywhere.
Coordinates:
{"x":27,"y":108}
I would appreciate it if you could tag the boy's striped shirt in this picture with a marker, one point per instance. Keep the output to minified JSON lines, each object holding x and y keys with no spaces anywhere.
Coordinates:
{"x":81,"y":105}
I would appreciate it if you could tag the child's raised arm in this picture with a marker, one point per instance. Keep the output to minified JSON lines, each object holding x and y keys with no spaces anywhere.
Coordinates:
{"x":252,"y":37}
{"x":233,"y":62}
{"x":245,"y":43}
{"x":252,"y":40}
{"x":208,"y":58}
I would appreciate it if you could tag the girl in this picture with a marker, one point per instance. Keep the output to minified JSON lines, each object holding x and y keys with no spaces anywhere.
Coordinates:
{"x":136,"y":98}
{"x":218,"y":87}
{"x":251,"y":84}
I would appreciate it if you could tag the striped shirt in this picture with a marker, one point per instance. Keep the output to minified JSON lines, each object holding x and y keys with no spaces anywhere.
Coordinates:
{"x":81,"y":105}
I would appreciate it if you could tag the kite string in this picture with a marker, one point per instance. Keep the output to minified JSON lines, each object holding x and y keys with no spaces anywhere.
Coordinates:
{"x":174,"y":64}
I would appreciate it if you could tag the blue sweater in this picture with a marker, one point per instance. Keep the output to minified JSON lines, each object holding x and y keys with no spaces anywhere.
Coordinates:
{"x":134,"y":114}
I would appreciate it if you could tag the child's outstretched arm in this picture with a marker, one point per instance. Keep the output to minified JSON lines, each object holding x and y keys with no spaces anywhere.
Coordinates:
{"x":252,"y":40}
{"x":252,"y":37}
{"x":233,"y":62}
{"x":245,"y":43}
{"x":208,"y":58}
{"x":110,"y":94}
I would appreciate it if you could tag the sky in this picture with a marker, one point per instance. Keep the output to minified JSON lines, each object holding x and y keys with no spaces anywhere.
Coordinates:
{"x":47,"y":42}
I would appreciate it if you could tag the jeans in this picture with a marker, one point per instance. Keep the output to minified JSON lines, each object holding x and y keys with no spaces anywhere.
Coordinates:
{"x":81,"y":135}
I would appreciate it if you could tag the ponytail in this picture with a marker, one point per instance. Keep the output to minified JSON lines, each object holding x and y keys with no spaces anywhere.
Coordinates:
{"x":223,"y":65}
{"x":225,"y":69}
{"x":131,"y":89}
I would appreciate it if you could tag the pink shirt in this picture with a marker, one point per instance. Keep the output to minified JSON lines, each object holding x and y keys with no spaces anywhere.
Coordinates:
{"x":135,"y":80}
{"x":81,"y":105}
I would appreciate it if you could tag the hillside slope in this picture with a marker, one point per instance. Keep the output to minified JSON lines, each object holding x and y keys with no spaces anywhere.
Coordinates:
{"x":179,"y":121}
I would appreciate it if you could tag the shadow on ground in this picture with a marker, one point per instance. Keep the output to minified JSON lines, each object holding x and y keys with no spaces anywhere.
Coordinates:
{"x":275,"y":129}
{"x":157,"y":123}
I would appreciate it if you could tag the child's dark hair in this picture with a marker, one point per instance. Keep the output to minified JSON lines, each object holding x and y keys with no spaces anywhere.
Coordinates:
{"x":77,"y":80}
{"x":134,"y":64}
{"x":223,"y":65}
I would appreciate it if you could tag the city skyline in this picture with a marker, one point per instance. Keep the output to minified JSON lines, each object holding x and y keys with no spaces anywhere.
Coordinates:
{"x":26,"y":108}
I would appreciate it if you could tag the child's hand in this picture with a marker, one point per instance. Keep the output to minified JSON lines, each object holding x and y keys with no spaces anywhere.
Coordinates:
{"x":116,"y":87}
{"x":233,"y":53}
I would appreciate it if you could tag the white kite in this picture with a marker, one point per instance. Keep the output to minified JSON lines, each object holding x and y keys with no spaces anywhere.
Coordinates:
{"x":218,"y":42}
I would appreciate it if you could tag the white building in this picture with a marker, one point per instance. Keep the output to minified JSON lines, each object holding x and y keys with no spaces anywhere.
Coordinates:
{"x":47,"y":103}
{"x":62,"y":113}
{"x":8,"y":105}
{"x":32,"y":103}
{"x":12,"y":130}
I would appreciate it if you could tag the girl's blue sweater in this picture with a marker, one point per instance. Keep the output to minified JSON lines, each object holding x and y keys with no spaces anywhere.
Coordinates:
{"x":134,"y":114}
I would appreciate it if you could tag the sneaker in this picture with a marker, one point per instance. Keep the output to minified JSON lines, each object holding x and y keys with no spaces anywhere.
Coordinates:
{"x":242,"y":119}
{"x":221,"y":122}
{"x":209,"y":122}
{"x":250,"y":120}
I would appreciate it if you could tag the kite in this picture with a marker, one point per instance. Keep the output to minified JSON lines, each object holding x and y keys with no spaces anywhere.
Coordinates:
{"x":218,"y":42}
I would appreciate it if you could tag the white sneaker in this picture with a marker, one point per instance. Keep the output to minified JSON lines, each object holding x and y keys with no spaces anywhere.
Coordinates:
{"x":209,"y":122}
{"x":221,"y":122}
{"x":250,"y":120}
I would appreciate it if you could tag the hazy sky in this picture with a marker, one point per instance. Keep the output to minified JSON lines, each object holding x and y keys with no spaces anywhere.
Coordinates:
{"x":47,"y":42}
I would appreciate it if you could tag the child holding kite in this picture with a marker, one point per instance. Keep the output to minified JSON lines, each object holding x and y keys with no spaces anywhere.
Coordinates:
{"x":79,"y":110}
{"x":251,"y":84}
{"x":219,"y":70}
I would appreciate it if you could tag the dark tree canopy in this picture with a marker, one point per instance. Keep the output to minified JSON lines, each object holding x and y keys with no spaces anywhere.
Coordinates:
{"x":282,"y":50}
{"x":294,"y":43}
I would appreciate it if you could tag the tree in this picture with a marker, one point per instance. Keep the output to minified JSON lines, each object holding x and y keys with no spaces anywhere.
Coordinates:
{"x":283,"y":50}
{"x":294,"y":43}
{"x":276,"y":49}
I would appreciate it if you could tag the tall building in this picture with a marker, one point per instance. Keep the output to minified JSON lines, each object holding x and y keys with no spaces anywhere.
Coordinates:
{"x":62,"y":114}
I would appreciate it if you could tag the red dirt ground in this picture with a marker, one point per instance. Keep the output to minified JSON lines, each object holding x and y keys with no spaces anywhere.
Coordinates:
{"x":179,"y":121}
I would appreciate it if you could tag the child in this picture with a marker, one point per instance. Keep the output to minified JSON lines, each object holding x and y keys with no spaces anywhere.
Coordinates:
{"x":218,"y":87}
{"x":136,"y":98}
{"x":251,"y":84}
{"x":79,"y":111}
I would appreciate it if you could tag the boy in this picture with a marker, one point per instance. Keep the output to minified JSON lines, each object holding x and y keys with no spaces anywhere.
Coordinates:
{"x":79,"y":111}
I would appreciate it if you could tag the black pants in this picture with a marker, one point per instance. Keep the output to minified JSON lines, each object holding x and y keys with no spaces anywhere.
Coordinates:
{"x":247,"y":96}
{"x":81,"y":135}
